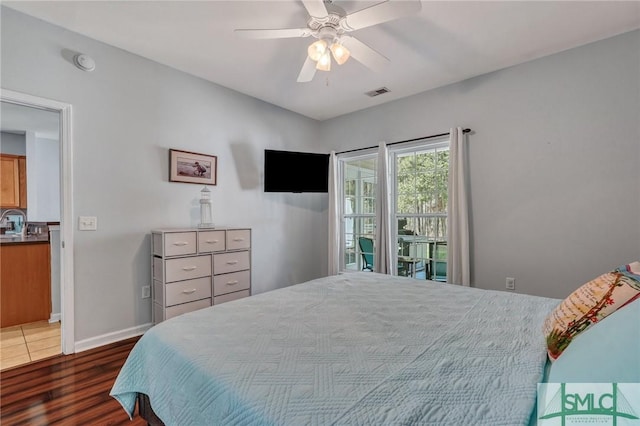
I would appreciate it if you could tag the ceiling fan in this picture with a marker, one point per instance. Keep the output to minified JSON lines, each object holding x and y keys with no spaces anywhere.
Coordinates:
{"x":329,"y":24}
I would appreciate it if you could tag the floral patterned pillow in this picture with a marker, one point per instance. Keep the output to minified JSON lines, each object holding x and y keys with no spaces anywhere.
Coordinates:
{"x":589,"y":304}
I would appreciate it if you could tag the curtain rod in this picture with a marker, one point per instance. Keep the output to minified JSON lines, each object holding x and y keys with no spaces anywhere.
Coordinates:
{"x":405,"y":141}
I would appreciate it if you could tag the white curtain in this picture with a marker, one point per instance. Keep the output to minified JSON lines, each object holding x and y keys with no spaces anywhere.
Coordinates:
{"x":458,"y":270}
{"x":334,"y":216}
{"x":382,"y":256}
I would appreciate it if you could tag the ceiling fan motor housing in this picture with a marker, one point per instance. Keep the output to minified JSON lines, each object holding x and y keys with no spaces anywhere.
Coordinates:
{"x":328,"y":27}
{"x":328,"y":34}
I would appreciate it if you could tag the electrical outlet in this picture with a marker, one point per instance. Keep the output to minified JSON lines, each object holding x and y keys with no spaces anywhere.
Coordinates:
{"x":87,"y":223}
{"x":146,"y":292}
{"x":511,"y":283}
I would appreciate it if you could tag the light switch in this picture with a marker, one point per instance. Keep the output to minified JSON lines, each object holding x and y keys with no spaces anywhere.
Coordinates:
{"x":87,"y":223}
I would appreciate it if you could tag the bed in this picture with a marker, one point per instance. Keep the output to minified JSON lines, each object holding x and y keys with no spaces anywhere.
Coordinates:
{"x":361,"y":348}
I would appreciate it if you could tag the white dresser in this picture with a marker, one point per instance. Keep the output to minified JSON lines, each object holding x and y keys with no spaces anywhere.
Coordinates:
{"x":195,"y":268}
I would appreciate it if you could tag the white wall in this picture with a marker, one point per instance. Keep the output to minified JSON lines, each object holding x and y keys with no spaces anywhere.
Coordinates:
{"x":554,"y":162}
{"x":13,"y":144}
{"x":126,"y":116}
{"x":43,"y":179}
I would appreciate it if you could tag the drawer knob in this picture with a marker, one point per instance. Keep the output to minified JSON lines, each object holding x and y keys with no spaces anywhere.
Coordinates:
{"x":232,"y":262}
{"x":238,"y":239}
{"x":212,"y":241}
{"x":180,"y":243}
{"x":234,"y":282}
{"x":189,"y":291}
{"x":189,"y":268}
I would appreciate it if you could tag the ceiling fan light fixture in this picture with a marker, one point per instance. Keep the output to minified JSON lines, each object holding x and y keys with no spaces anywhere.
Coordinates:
{"x":340,"y":53}
{"x":324,"y":63}
{"x":317,"y":49}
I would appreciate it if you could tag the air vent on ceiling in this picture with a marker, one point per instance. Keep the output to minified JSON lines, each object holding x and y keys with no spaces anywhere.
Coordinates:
{"x":377,"y":92}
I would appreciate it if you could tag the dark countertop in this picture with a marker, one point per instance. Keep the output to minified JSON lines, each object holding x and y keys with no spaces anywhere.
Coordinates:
{"x":29,"y":239}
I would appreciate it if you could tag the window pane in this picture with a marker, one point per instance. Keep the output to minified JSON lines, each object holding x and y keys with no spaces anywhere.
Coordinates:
{"x":406,"y":203}
{"x":368,"y":228}
{"x":367,"y":167}
{"x":406,"y":226}
{"x":368,"y":205}
{"x":368,"y":187}
{"x":406,"y":163}
{"x":425,"y":160}
{"x":406,"y":181}
{"x":442,"y":158}
{"x":350,"y":187}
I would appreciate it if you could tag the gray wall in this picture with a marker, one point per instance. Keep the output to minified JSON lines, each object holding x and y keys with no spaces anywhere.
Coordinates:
{"x":554,"y":162}
{"x":126,"y":115}
{"x":10,"y":143}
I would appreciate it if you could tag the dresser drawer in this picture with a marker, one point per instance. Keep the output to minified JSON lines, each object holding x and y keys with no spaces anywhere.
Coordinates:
{"x":188,"y":291}
{"x":230,"y":262}
{"x":228,"y":283}
{"x":238,"y":239}
{"x":176,"y":310}
{"x":231,"y":296}
{"x":179,"y":243}
{"x":211,"y":241}
{"x":187,"y":268}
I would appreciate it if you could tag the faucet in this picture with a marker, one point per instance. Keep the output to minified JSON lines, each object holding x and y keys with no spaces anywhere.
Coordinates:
{"x":7,"y":212}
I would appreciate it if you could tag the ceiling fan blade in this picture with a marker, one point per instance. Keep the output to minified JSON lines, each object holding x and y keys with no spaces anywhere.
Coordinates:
{"x":279,"y":33}
{"x":364,"y":54}
{"x":308,"y":71}
{"x":379,"y":13}
{"x":316,"y":8}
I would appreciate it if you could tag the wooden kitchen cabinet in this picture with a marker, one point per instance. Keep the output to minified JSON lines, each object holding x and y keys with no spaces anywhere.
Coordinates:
{"x":25,"y":283}
{"x":13,"y":181}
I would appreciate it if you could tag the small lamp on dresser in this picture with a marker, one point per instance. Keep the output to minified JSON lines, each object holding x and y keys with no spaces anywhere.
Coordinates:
{"x":206,"y":216}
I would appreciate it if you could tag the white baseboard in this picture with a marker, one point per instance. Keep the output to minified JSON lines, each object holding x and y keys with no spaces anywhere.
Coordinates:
{"x":115,"y":336}
{"x":55,"y":318}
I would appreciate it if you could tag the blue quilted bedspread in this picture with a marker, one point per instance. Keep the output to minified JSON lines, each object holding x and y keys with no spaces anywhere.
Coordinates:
{"x":354,"y":349}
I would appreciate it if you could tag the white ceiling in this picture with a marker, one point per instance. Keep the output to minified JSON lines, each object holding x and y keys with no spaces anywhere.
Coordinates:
{"x":446,"y":42}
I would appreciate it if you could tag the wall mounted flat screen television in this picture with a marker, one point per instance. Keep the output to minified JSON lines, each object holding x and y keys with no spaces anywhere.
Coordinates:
{"x":288,"y":171}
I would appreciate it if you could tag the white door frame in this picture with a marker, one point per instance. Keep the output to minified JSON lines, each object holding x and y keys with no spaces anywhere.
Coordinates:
{"x":66,"y":214}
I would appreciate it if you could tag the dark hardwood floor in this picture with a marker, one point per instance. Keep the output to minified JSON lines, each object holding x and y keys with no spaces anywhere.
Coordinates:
{"x":66,"y":390}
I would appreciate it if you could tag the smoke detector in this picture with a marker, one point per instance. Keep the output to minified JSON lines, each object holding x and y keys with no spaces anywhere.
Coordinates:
{"x":84,"y":62}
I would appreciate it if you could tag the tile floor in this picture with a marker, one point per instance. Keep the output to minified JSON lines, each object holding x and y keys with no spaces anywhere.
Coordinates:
{"x":25,"y":343}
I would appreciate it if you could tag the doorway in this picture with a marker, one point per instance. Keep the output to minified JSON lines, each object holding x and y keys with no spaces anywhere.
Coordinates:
{"x":62,"y":243}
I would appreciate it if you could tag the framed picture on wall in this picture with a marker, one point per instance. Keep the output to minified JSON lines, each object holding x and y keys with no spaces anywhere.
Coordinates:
{"x":191,"y":167}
